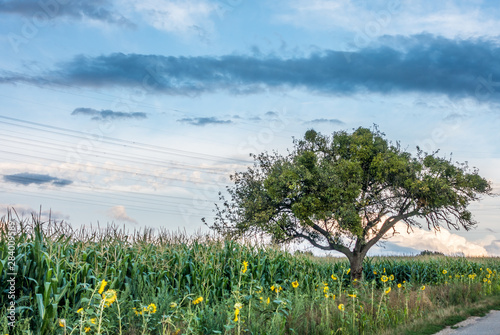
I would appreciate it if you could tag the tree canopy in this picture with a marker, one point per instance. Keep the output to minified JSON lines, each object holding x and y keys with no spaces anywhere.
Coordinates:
{"x":346,"y":191}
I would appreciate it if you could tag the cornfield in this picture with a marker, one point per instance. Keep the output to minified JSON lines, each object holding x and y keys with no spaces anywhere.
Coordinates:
{"x":109,"y":281}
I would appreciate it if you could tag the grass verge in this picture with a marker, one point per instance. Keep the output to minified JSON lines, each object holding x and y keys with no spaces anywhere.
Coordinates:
{"x":439,"y":320}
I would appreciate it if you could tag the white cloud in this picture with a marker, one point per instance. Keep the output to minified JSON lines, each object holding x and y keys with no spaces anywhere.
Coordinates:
{"x":120,"y":214}
{"x":376,"y":18}
{"x":326,"y":14}
{"x":25,"y":212}
{"x":442,"y":241}
{"x":403,"y":242}
{"x":185,"y":17}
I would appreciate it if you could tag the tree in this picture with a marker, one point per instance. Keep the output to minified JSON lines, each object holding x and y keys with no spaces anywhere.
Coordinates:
{"x":345,"y":192}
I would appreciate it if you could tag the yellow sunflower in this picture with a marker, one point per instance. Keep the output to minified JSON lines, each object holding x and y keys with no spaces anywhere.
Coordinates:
{"x":151,"y":308}
{"x":103,"y":285}
{"x":197,"y":301}
{"x":109,"y":297}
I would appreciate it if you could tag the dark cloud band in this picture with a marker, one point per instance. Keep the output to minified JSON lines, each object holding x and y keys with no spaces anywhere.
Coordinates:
{"x":330,"y":121}
{"x":26,"y":178}
{"x":203,"y":121}
{"x":100,"y":10}
{"x":421,"y":63}
{"x":107,"y":114}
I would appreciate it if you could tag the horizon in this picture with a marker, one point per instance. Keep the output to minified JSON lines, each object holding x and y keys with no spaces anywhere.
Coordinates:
{"x":122,"y":233}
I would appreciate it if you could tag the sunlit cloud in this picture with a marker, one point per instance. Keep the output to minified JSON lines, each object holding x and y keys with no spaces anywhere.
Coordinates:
{"x":119,"y":213}
{"x":441,"y":241}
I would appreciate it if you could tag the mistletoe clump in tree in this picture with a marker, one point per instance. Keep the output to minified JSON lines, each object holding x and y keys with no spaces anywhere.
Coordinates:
{"x":345,"y":192}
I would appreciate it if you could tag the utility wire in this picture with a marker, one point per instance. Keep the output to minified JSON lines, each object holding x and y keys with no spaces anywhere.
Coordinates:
{"x":136,"y":196}
{"x":107,"y":169}
{"x":102,"y":203}
{"x":106,"y":154}
{"x":116,"y":141}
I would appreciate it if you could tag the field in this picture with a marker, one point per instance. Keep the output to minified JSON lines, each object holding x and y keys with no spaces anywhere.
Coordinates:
{"x":109,"y":281}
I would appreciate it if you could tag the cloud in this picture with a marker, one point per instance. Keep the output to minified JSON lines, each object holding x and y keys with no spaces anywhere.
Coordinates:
{"x":270,"y":115}
{"x":27,"y":178}
{"x":98,"y":10}
{"x":454,"y":117}
{"x":413,"y":243}
{"x":120,"y":214}
{"x":420,"y":63}
{"x":107,"y":114}
{"x":387,"y":248}
{"x":442,"y":241}
{"x":493,"y":248}
{"x":332,"y":121}
{"x":203,"y":121}
{"x":177,"y":16}
{"x":369,"y":18}
{"x":25,"y":210}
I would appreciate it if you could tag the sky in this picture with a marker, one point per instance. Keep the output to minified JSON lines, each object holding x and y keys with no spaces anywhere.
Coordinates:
{"x":135,"y":112}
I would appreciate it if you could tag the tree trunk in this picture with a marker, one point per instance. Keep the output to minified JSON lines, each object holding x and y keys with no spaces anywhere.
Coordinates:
{"x":356,"y":263}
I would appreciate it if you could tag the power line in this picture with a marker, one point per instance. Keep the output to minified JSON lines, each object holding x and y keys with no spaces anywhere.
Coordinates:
{"x":140,"y":104}
{"x":104,"y":154}
{"x":121,"y":142}
{"x":136,"y":196}
{"x":101,"y":204}
{"x":181,"y":187}
{"x":136,"y":173}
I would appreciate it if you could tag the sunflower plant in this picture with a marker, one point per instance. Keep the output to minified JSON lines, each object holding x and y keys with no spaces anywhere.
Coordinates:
{"x":94,"y":311}
{"x":146,"y":312}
